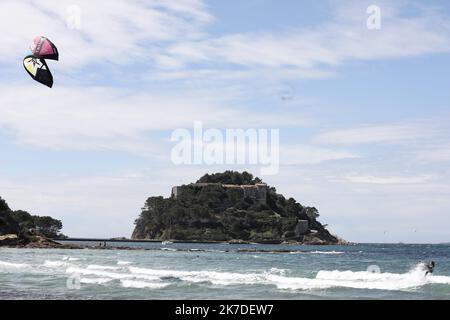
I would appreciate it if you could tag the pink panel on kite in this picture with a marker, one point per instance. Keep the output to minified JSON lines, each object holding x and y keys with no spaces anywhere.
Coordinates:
{"x":35,"y":43}
{"x":46,"y":48}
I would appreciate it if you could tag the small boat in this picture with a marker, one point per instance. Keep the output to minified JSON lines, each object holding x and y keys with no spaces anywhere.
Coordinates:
{"x":166,"y":242}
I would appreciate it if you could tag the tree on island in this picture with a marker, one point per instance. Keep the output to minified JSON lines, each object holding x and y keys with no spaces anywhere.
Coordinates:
{"x":7,"y":223}
{"x":230,"y":177}
{"x":24,"y":224}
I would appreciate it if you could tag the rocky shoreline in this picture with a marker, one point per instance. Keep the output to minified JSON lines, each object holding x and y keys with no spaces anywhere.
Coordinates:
{"x":34,"y":242}
{"x":39,"y":242}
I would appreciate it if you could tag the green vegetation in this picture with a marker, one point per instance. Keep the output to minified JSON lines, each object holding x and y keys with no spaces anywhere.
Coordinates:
{"x":230,"y":177}
{"x":25,"y":225}
{"x":215,"y":213}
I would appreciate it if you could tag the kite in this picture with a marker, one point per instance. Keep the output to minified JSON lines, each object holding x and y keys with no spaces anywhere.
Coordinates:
{"x":38,"y":70}
{"x":35,"y":64}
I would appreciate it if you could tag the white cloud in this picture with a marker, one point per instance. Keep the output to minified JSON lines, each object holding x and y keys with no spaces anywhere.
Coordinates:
{"x":389,"y":180}
{"x":411,"y":211}
{"x":305,"y":50}
{"x":87,"y":202}
{"x":173,"y":35}
{"x":434,"y":153}
{"x":104,"y":118}
{"x":407,"y":131}
{"x":311,"y":155}
{"x":117,"y":32}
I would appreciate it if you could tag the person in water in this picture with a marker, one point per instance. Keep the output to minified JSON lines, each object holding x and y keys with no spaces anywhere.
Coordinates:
{"x":429,"y":267}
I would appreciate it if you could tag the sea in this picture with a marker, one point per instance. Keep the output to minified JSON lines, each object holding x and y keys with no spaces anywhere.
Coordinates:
{"x":226,"y":271}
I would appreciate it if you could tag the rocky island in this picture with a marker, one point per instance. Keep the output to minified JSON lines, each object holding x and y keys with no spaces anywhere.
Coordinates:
{"x":21,"y":229}
{"x":232,"y":207}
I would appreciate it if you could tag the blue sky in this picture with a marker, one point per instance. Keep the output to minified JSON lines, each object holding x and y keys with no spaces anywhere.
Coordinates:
{"x":365,"y":134}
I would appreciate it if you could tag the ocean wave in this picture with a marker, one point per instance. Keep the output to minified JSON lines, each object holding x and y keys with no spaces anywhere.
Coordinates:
{"x":278,"y":271}
{"x":323,"y":280}
{"x":415,"y":278}
{"x":214,"y":277}
{"x":10,"y":265}
{"x":99,"y":267}
{"x":327,"y":252}
{"x":295,"y":283}
{"x":95,"y":280}
{"x":57,"y":264}
{"x":123,"y":262}
{"x":140,"y":277}
{"x":104,"y":273}
{"x":143,"y":284}
{"x":70,"y":259}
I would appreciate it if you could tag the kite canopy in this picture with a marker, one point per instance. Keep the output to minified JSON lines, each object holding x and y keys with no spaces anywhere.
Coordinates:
{"x":35,"y":64}
{"x":38,"y":70}
{"x":44,"y":48}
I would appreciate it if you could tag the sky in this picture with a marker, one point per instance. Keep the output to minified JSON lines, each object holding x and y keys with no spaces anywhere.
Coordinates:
{"x":363,"y":114}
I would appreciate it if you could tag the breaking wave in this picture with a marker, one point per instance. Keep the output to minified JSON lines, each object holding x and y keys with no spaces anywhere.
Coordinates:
{"x":128,"y":276}
{"x":327,"y":252}
{"x":137,"y":277}
{"x":70,"y":259}
{"x":143,"y":284}
{"x":53,"y":263}
{"x":415,"y":278}
{"x":4,"y":265}
{"x":95,"y":280}
{"x":98,"y":267}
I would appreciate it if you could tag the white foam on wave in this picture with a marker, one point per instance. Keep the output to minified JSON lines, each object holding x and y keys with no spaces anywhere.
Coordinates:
{"x":323,"y":280}
{"x":97,"y":274}
{"x":95,"y":280}
{"x":439,"y":279}
{"x":295,"y":283}
{"x":415,"y":278}
{"x":103,"y":275}
{"x":139,"y":277}
{"x":56,"y":264}
{"x":99,"y":267}
{"x":214,"y":277}
{"x":70,"y":259}
{"x":143,"y":284}
{"x":107,"y":273}
{"x":123,"y":263}
{"x":327,"y":252}
{"x":9,"y":265}
{"x":278,"y":271}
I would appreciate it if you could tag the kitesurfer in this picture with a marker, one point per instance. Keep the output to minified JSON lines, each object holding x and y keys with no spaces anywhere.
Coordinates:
{"x":429,"y":267}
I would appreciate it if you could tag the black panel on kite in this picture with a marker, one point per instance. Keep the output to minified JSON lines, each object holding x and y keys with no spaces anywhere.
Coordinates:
{"x":38,"y":70}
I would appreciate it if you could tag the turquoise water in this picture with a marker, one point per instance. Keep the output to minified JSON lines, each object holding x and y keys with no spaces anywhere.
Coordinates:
{"x":366,"y":271}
